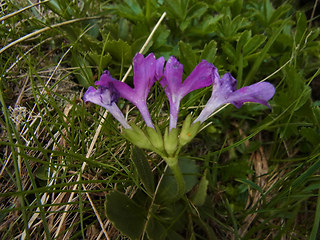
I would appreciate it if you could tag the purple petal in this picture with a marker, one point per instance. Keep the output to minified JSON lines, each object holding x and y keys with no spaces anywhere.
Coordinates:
{"x":172,"y":78}
{"x":159,"y":68}
{"x":105,"y":79}
{"x":106,"y":97}
{"x":227,"y":84}
{"x":202,"y":76}
{"x":172,"y":83}
{"x":146,"y":71}
{"x":259,"y":92}
{"x":124,"y":90}
{"x":224,"y":91}
{"x":144,"y":74}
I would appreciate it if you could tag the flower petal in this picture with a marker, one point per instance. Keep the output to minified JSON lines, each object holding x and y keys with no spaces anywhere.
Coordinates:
{"x":259,"y":93}
{"x":224,"y":91}
{"x":159,"y":68}
{"x":105,"y":79}
{"x":172,"y":78}
{"x":202,"y":76}
{"x":106,"y":97}
{"x":124,"y":90}
{"x":144,"y":74}
{"x":146,"y":71}
{"x":172,"y":83}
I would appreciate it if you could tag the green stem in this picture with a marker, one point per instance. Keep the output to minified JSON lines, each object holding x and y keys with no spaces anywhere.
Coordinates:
{"x":174,"y":166}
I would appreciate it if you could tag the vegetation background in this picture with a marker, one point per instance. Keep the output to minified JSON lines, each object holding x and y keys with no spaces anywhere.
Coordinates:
{"x":261,"y":166}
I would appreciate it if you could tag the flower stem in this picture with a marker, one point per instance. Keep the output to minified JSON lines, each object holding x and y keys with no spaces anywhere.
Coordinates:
{"x":174,"y":166}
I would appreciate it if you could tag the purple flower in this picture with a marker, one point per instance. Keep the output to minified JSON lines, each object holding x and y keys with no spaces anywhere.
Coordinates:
{"x":225,"y":91}
{"x":202,"y":76}
{"x":106,"y":97}
{"x":146,"y":71}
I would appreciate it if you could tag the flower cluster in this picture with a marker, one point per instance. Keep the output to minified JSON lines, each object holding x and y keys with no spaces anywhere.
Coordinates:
{"x":148,"y":70}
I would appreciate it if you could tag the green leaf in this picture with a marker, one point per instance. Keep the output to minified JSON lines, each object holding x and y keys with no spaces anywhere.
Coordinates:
{"x":197,"y":10}
{"x":229,"y":50}
{"x":209,"y":51}
{"x":300,"y":180}
{"x":251,"y":184}
{"x":119,"y":50}
{"x":155,"y":229}
{"x":185,"y":24}
{"x":264,"y":52}
{"x":93,"y":24}
{"x":228,"y":29}
{"x":311,"y":135}
{"x":187,"y":57}
{"x":99,"y":60}
{"x":244,"y":38}
{"x":127,"y":216}
{"x":253,"y":43}
{"x":160,"y":37}
{"x":279,"y":12}
{"x":168,"y":186}
{"x":236,"y":7}
{"x":201,"y":193}
{"x":42,"y":172}
{"x":130,"y":9}
{"x":301,"y":26}
{"x":85,"y":75}
{"x":177,"y":8}
{"x":315,"y":228}
{"x":166,"y":221}
{"x":143,"y":168}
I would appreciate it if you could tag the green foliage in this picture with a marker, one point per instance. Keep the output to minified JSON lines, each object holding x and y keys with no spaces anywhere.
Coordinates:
{"x":201,"y":193}
{"x":125,"y":214}
{"x":254,"y":172}
{"x":143,"y":168}
{"x":168,"y":185}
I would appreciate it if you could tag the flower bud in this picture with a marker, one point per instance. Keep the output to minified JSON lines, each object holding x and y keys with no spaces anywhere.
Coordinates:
{"x":188,"y":131}
{"x":171,"y":141}
{"x":155,"y":137}
{"x":136,"y":136}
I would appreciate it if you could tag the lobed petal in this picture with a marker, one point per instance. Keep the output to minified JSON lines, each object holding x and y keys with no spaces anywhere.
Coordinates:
{"x":144,"y":74}
{"x":172,"y":84}
{"x":159,"y":68}
{"x":172,"y":77}
{"x":259,"y":92}
{"x":146,"y":71}
{"x":124,"y":89}
{"x":224,"y":91}
{"x":101,"y":96}
{"x":106,"y":97}
{"x":203,"y":75}
{"x":227,"y":84}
